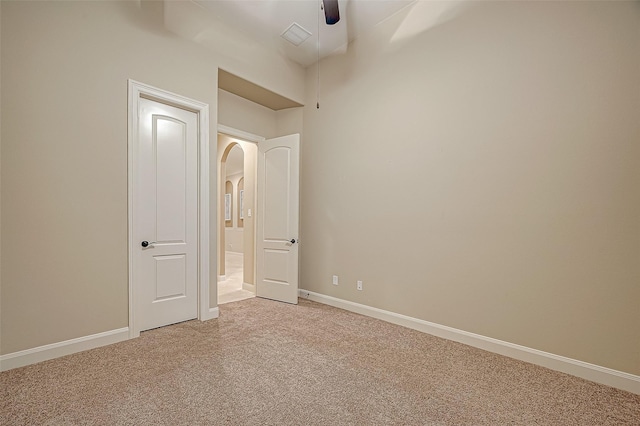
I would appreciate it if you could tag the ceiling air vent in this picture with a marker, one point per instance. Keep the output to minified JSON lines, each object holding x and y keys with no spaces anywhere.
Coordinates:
{"x":296,"y":34}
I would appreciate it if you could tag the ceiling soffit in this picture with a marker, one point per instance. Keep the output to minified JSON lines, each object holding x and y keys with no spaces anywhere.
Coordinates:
{"x":251,"y":91}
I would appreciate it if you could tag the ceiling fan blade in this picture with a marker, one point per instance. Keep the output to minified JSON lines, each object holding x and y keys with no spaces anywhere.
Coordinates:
{"x":331,"y":12}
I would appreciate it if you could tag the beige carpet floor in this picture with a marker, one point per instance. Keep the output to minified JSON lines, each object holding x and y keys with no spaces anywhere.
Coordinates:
{"x":269,"y":363}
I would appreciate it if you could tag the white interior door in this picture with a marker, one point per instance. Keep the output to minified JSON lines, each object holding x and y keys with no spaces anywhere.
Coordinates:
{"x":277,"y":220}
{"x":165,"y":216}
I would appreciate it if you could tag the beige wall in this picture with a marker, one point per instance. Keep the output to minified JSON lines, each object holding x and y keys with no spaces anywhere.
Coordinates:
{"x":64,"y":75}
{"x":508,"y":135}
{"x":0,"y":179}
{"x":289,"y":121}
{"x":242,"y":114}
{"x":234,"y":240}
{"x":248,"y":116}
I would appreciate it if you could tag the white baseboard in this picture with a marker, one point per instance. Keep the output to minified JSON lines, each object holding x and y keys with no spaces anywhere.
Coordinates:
{"x":68,"y":347}
{"x":595,"y":373}
{"x":249,"y":287}
{"x":222,"y":277}
{"x":212,"y":313}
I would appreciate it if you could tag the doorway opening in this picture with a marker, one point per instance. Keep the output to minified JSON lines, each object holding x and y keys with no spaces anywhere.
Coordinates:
{"x":270,"y":209}
{"x":236,"y":227}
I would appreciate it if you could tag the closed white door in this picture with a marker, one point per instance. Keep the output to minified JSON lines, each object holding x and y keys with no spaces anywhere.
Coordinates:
{"x":277,"y":220}
{"x":165,"y":216}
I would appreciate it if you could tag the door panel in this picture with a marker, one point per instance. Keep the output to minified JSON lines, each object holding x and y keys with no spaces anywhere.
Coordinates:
{"x":276,"y":188}
{"x":171,"y":179}
{"x":276,"y":266}
{"x":170,"y":276}
{"x":165,"y":215}
{"x":277,"y":224}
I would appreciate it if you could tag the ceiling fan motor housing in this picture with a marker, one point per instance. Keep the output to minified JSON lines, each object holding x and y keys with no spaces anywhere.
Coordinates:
{"x":331,"y":11}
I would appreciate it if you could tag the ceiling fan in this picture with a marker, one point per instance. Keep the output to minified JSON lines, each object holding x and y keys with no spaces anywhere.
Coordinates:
{"x":331,"y":11}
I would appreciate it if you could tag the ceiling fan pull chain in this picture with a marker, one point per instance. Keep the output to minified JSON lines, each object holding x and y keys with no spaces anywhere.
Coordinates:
{"x":318,"y":59}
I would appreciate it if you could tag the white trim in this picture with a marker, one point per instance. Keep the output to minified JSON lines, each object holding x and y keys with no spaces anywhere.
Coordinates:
{"x":211,"y":313}
{"x":67,"y":347}
{"x":222,"y":277}
{"x":249,"y":287}
{"x":585,"y":370}
{"x":240,"y":134}
{"x":137,"y":90}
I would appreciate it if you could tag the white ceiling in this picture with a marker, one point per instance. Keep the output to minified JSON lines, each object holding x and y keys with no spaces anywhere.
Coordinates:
{"x":265,"y":20}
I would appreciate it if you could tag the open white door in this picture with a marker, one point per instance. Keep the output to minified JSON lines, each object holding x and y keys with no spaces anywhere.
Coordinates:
{"x":277,"y":214}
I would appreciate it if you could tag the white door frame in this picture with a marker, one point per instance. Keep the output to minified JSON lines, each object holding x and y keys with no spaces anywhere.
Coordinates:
{"x":239,"y":134}
{"x":136,"y":91}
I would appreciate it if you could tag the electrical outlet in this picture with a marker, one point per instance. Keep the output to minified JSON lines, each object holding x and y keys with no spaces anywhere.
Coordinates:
{"x":335,"y":280}
{"x":359,"y":285}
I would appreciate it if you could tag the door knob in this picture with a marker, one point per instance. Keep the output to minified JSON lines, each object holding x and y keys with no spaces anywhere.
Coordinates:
{"x":147,"y":243}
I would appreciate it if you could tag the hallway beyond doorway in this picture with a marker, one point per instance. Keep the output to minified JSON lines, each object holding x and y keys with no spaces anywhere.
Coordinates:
{"x":230,"y":289}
